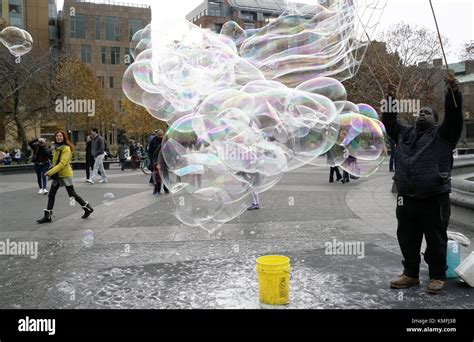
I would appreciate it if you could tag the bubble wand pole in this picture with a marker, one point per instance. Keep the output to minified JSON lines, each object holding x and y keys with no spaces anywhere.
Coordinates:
{"x":373,"y":47}
{"x":442,"y":49}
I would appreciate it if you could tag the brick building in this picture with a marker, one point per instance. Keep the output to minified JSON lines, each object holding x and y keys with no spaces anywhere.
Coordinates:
{"x":99,"y":34}
{"x":464,"y":72}
{"x":249,"y":14}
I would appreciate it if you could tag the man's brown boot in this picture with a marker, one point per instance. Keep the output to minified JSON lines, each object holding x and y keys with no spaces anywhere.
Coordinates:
{"x":403,"y":282}
{"x":435,"y":286}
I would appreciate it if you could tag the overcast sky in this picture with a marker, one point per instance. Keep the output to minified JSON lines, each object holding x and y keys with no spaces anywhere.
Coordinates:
{"x":455,"y":17}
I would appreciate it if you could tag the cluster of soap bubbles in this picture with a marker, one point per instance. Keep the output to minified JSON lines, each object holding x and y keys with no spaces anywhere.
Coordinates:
{"x":309,"y":40}
{"x":246,"y":107}
{"x":19,"y":42}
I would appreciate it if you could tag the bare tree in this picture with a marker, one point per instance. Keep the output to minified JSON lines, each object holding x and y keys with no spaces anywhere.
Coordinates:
{"x":27,"y":89}
{"x":410,"y":67}
{"x":467,"y":52}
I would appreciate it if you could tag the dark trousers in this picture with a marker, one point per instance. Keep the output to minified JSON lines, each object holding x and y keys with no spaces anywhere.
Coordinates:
{"x":392,"y":160}
{"x":331,"y":173}
{"x":428,"y":217}
{"x":158,"y":188}
{"x":122,"y":163}
{"x":89,"y":167}
{"x":157,"y":182}
{"x":345,"y":176}
{"x":70,"y":191}
{"x":134,"y":162}
{"x":40,"y":170}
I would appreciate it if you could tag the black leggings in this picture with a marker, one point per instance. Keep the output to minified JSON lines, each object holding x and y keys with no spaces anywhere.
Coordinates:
{"x":70,"y":191}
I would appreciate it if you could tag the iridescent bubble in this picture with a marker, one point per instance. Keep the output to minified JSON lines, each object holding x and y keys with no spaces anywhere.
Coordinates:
{"x":232,"y":30}
{"x":368,"y":111}
{"x":88,"y":238}
{"x":109,"y":198}
{"x":18,"y":41}
{"x":309,"y":41}
{"x":246,"y":106}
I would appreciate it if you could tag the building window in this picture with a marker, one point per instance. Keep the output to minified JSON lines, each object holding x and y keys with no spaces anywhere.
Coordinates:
{"x":78,"y":26}
{"x":115,"y":55}
{"x":101,"y":81}
{"x":15,"y":10}
{"x":103,"y":55}
{"x":128,"y":57}
{"x":248,"y":16}
{"x":218,"y":28}
{"x":111,"y":82}
{"x":134,"y":25}
{"x":112,"y":29}
{"x":86,"y":53}
{"x":97,"y":28}
{"x":249,"y":26}
{"x":215,"y":9}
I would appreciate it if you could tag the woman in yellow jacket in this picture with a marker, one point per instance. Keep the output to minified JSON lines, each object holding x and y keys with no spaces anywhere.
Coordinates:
{"x":62,"y":168}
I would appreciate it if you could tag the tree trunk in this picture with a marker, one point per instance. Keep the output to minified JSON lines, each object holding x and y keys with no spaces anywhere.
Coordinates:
{"x":18,"y":122}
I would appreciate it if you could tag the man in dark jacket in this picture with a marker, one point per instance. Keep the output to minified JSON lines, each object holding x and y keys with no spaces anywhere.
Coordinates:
{"x":424,"y":159}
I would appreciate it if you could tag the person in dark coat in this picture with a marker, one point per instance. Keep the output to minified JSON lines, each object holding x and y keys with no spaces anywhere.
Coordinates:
{"x":133,"y":147}
{"x":424,"y":159}
{"x":42,"y":160}
{"x":89,"y":158}
{"x":393,"y":153}
{"x":154,"y":149}
{"x":121,"y":154}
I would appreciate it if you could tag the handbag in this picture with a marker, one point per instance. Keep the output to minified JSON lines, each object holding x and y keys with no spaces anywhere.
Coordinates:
{"x":56,"y":175}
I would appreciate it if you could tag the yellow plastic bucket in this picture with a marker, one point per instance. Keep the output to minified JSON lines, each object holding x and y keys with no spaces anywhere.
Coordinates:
{"x":273,"y":279}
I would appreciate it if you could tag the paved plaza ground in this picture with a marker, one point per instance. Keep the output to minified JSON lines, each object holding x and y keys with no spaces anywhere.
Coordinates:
{"x":142,"y":257}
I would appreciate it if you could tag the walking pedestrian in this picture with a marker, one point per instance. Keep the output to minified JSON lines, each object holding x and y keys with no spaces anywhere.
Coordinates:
{"x":42,"y":161}
{"x":89,"y":158}
{"x":98,"y":152}
{"x":122,"y":155}
{"x":62,"y":176}
{"x":134,"y":154}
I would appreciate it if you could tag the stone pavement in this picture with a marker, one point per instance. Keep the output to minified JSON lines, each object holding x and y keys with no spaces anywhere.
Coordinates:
{"x":143,"y":258}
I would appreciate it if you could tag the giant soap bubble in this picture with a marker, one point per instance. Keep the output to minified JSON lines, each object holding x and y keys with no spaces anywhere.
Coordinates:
{"x":18,"y":41}
{"x":247,"y":106}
